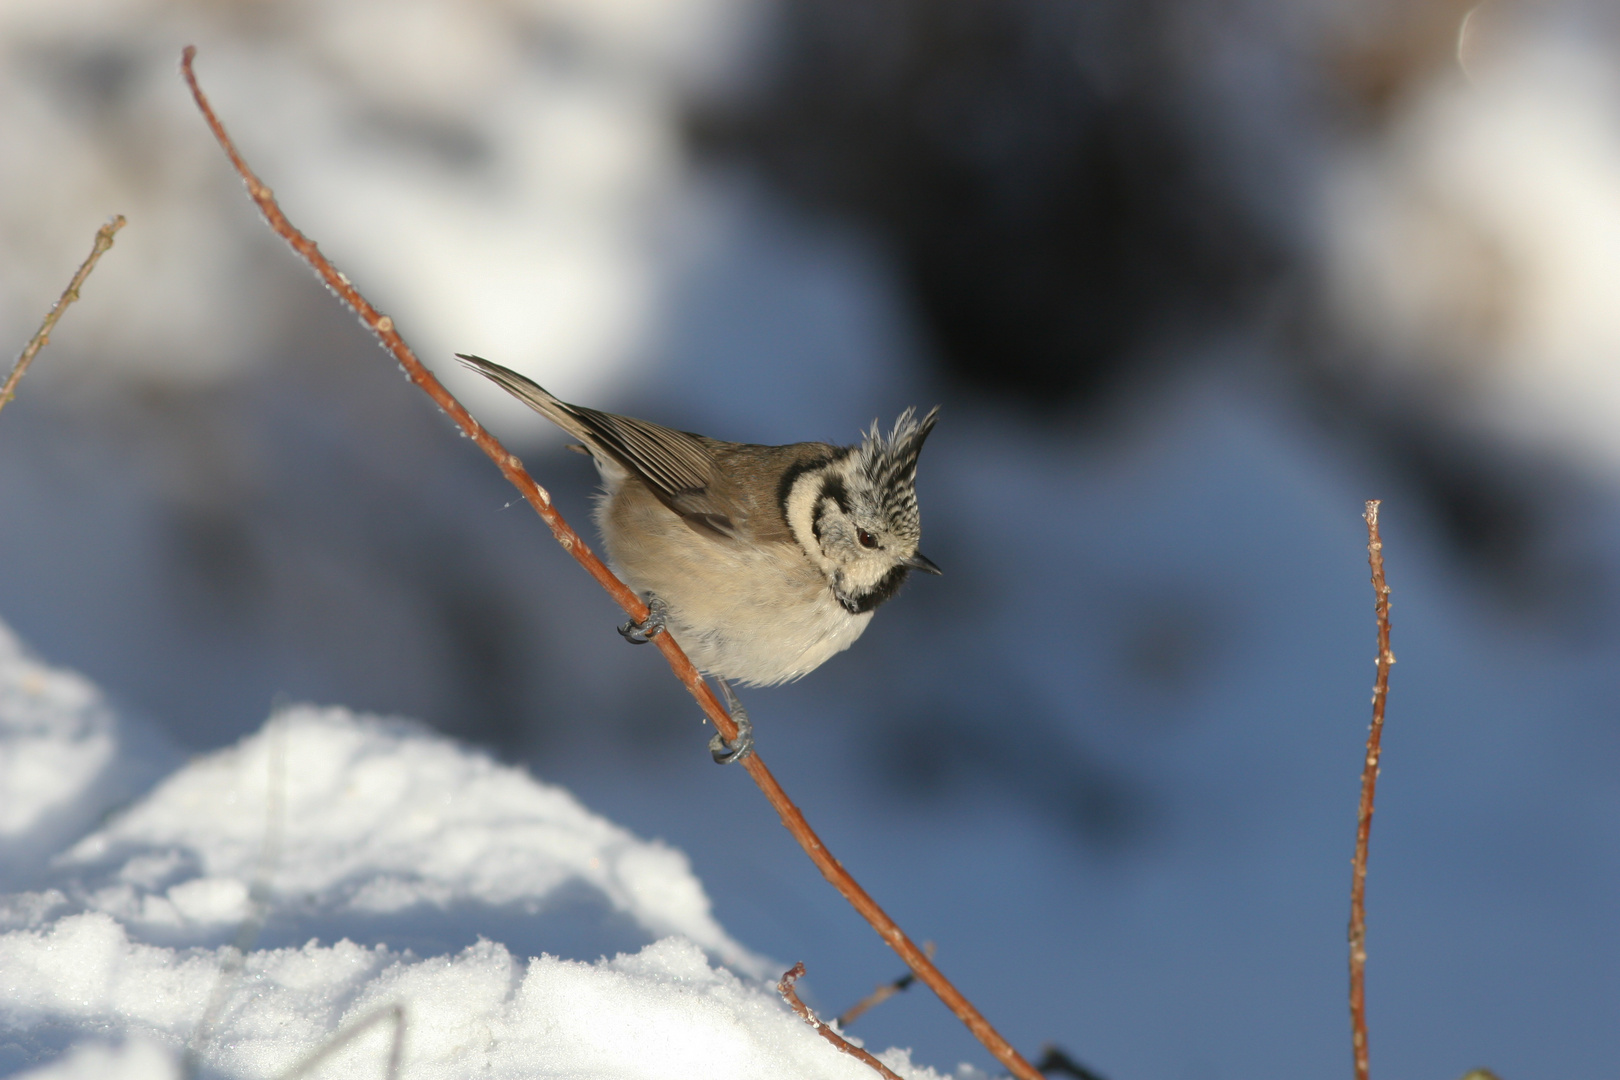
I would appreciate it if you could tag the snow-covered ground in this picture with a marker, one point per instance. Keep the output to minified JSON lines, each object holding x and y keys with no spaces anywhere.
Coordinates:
{"x":361,"y":864}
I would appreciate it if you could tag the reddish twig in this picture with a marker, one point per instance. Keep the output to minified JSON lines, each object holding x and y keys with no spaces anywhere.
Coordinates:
{"x":42,"y":336}
{"x":383,"y":327}
{"x":882,"y":993}
{"x":1369,"y":784}
{"x":785,"y":988}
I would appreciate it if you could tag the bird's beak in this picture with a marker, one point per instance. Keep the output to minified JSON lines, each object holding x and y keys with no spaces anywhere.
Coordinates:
{"x":919,"y":561}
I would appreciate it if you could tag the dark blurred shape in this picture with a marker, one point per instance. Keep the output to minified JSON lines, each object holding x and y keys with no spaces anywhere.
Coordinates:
{"x":1072,"y":211}
{"x":942,"y":757}
{"x":1054,"y":1062}
{"x":91,"y":81}
{"x":1513,"y":518}
{"x":1168,"y":639}
{"x":1392,"y":50}
{"x":1035,"y":166}
{"x":212,"y":559}
{"x":451,"y":146}
{"x":1512,"y":514}
{"x":286,"y":531}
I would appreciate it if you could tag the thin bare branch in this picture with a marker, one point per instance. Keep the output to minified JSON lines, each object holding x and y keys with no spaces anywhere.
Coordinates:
{"x":1369,"y":785}
{"x":882,"y":993}
{"x":42,"y":336}
{"x":791,"y":996}
{"x":383,"y":327}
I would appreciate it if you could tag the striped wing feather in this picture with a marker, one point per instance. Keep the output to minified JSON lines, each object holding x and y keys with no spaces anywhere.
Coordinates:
{"x":676,"y":466}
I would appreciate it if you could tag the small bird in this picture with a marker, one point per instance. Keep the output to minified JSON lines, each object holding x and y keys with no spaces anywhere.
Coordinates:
{"x":764,"y":561}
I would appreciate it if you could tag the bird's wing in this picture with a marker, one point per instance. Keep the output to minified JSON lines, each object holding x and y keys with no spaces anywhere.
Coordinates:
{"x":677,"y":466}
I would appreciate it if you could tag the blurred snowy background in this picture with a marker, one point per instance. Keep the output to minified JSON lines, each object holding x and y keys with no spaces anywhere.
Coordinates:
{"x":1192,"y":279}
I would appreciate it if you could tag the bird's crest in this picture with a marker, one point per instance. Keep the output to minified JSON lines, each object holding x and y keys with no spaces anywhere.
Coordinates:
{"x":890,"y":462}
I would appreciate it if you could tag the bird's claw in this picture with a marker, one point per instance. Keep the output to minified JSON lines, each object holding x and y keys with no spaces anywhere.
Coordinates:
{"x":725,"y":753}
{"x":639,"y":633}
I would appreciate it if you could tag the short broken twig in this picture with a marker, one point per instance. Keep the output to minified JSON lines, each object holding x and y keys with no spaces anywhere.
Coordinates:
{"x":42,"y":336}
{"x":785,"y":988}
{"x":883,"y":993}
{"x":792,"y":817}
{"x":1369,"y":784}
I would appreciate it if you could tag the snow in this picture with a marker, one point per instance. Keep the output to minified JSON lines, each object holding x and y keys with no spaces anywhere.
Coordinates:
{"x":661,"y":1012}
{"x":1476,"y":244}
{"x":64,"y":759}
{"x":537,"y":143}
{"x":367,"y":819}
{"x":345,"y":854}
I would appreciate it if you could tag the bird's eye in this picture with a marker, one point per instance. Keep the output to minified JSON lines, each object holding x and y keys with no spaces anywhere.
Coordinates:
{"x":867,"y":539}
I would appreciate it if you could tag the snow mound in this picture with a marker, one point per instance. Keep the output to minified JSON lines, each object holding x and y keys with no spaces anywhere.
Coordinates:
{"x":383,"y":831}
{"x":663,"y":1012}
{"x":65,"y":759}
{"x":264,"y":900}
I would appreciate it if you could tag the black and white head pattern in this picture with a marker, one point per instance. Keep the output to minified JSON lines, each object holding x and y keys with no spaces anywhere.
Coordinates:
{"x":889,"y":464}
{"x":855,"y":513}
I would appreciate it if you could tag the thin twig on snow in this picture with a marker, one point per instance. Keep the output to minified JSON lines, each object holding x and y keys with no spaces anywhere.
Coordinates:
{"x":791,"y":996}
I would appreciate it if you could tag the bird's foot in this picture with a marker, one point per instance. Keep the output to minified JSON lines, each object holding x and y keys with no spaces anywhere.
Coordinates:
{"x":725,"y":753}
{"x":639,"y":633}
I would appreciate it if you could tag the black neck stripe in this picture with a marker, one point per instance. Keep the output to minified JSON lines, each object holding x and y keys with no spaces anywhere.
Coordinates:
{"x":883,"y":590}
